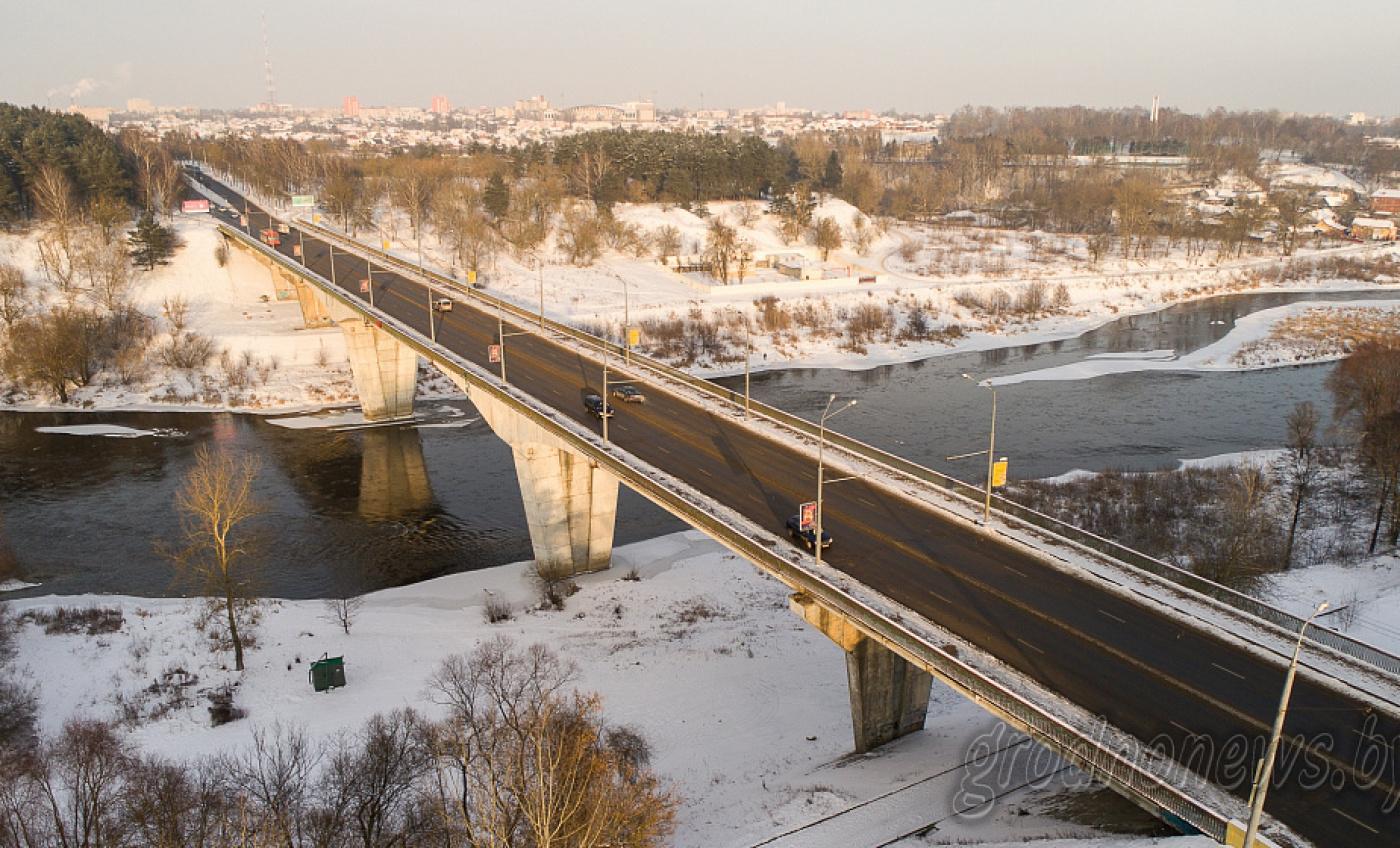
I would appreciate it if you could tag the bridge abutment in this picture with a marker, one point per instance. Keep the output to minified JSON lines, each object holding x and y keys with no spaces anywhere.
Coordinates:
{"x":570,"y":502}
{"x":889,"y":694}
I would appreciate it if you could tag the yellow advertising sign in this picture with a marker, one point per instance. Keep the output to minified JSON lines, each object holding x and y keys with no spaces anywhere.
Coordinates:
{"x":471,"y":277}
{"x":634,"y":338}
{"x":999,"y":473}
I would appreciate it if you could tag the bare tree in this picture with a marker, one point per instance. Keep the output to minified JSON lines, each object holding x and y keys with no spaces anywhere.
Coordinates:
{"x":215,"y":502}
{"x":580,"y":236}
{"x":667,"y":242}
{"x":1366,"y":390}
{"x":826,"y":235}
{"x":55,"y":198}
{"x":523,"y":761}
{"x":56,"y":257}
{"x":14,"y":293}
{"x":54,"y":350}
{"x":275,"y":781}
{"x":1290,"y":211}
{"x":106,"y":267}
{"x":373,"y":780}
{"x":1301,"y":467}
{"x":68,"y":796}
{"x":169,"y":804}
{"x":721,"y":247}
{"x":342,"y":611}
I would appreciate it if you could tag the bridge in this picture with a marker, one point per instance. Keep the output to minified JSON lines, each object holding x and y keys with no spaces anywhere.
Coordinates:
{"x":1151,"y":681}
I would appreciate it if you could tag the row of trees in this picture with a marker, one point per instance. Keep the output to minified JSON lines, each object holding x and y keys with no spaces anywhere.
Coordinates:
{"x":521,"y":759}
{"x":488,"y":200}
{"x":41,"y":151}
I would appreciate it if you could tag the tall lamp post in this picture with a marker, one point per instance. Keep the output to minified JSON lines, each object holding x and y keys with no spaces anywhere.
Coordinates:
{"x":991,"y":450}
{"x":821,"y":467}
{"x":1266,"y":766}
{"x":626,"y":323}
{"x":748,"y":355}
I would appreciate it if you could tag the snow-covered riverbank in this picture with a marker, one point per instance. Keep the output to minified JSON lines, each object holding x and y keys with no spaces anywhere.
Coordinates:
{"x":744,"y":704}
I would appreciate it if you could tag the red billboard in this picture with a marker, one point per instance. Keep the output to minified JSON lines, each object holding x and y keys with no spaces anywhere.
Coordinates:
{"x":194,"y":206}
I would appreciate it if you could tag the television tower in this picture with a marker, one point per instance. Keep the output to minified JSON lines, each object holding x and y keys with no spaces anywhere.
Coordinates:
{"x":267,"y":63}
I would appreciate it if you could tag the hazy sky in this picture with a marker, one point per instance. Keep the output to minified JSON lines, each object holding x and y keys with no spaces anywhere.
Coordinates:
{"x":909,"y":55}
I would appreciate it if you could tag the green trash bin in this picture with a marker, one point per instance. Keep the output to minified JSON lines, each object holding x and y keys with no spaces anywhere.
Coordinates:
{"x":327,"y":673}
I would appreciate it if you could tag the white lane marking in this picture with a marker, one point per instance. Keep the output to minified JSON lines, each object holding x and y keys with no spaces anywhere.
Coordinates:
{"x":1355,"y":820}
{"x":1114,"y":617}
{"x":1014,"y":571}
{"x":1228,"y":671}
{"x":1029,"y":645}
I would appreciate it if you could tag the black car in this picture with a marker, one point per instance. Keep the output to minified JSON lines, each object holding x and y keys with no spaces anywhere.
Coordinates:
{"x":596,"y":405}
{"x":808,"y":537}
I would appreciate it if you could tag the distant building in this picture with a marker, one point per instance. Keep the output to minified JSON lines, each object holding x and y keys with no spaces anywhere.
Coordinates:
{"x":631,"y":112}
{"x":1386,"y":202}
{"x":100,"y":115}
{"x":440,"y":105}
{"x":536,"y":108}
{"x":1374,"y":229}
{"x":352,"y":107}
{"x":139,"y":106}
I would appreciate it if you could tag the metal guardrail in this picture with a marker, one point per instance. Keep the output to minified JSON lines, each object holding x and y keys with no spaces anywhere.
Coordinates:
{"x":1098,"y":749}
{"x":1354,"y":648}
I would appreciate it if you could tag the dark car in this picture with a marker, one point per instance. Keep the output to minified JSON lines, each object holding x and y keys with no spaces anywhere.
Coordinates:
{"x":808,"y":537}
{"x":598,"y":407}
{"x":629,"y":394}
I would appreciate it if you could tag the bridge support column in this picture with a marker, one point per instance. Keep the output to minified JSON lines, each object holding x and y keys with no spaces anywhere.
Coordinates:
{"x":889,"y":695}
{"x":385,"y":371}
{"x":570,"y":502}
{"x":313,"y":311}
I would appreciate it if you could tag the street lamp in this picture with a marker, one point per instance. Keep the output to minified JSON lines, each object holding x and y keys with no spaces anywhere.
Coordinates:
{"x":748,"y":355}
{"x":626,"y":322}
{"x":991,"y":450}
{"x":1266,"y":766}
{"x":501,"y":335}
{"x":821,"y":467}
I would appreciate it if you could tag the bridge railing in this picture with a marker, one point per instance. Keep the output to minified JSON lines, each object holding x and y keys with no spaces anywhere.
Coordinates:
{"x":1340,"y":642}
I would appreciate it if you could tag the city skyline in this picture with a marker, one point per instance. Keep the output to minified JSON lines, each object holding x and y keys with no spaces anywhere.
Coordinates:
{"x":894,"y":55}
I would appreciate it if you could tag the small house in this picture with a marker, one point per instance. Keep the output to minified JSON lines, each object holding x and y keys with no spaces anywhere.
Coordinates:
{"x":1373,"y":229}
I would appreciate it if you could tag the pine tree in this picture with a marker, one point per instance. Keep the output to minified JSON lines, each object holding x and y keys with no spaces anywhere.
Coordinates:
{"x":496,"y":197}
{"x":151,"y":244}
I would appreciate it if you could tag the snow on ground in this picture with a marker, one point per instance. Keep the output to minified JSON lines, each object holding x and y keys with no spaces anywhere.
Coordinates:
{"x":1219,"y":356}
{"x":744,"y":704}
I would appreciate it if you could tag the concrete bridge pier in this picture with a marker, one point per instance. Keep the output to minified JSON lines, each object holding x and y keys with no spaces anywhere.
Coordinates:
{"x":889,"y":694}
{"x":313,"y":311}
{"x":385,"y":370}
{"x":570,"y":502}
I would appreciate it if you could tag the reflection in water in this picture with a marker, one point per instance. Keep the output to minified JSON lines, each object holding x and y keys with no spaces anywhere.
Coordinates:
{"x":348,"y":511}
{"x":393,"y":477}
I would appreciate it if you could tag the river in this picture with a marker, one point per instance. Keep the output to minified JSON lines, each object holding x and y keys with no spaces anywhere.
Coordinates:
{"x":361,"y":509}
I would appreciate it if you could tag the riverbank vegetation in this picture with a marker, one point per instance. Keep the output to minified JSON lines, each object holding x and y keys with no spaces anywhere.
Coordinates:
{"x":521,"y":758}
{"x":1321,"y":500}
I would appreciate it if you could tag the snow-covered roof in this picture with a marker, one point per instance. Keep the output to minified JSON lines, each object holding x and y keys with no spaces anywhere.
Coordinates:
{"x":1386,"y":193}
{"x":1373,"y":223}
